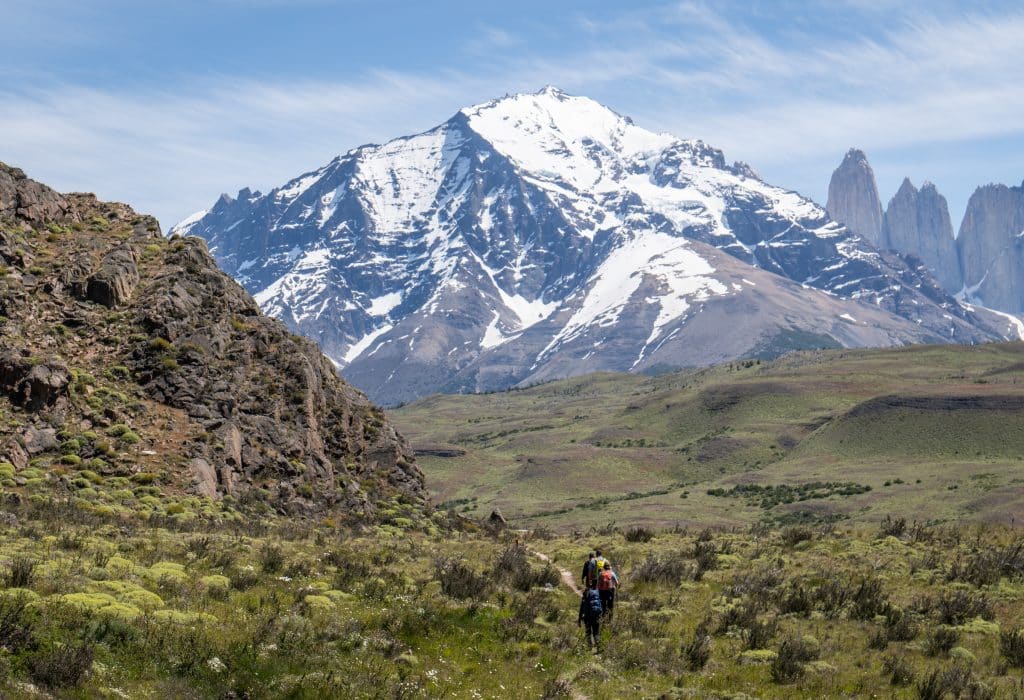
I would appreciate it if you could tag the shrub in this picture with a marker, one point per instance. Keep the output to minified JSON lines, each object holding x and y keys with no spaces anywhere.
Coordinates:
{"x":740,"y":616}
{"x":898,"y":669}
{"x":788,"y":665}
{"x":672,"y":569}
{"x":639,"y":534}
{"x":891,"y":527}
{"x":557,"y":688}
{"x":271,"y":558}
{"x":759,"y":584}
{"x":981,"y":569}
{"x":698,"y":650}
{"x":460,"y":581}
{"x":957,"y":681}
{"x":795,"y":600}
{"x":795,"y":534}
{"x":1011,"y":645}
{"x":61,"y":666}
{"x":707,"y":558}
{"x":941,"y":640}
{"x":20,"y":572}
{"x":868,"y":599}
{"x":959,"y":606}
{"x":16,"y":627}
{"x":757,"y":634}
{"x":899,"y":627}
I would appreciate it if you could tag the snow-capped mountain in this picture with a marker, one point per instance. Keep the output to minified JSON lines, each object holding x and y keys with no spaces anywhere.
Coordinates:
{"x":544,"y":235}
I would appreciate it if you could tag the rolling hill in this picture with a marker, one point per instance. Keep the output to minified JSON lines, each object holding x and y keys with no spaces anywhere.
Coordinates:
{"x":932,"y":430}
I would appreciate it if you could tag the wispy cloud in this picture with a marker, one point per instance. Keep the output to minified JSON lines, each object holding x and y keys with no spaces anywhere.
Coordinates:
{"x":780,"y":99}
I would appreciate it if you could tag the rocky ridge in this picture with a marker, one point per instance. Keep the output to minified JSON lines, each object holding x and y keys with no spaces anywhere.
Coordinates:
{"x":982,"y":265}
{"x":131,"y":359}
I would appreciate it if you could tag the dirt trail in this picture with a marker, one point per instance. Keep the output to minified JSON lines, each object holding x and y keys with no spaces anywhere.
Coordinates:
{"x":567,"y":577}
{"x":568,"y":580}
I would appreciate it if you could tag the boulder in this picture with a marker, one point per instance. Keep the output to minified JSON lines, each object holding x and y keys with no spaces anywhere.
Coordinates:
{"x":113,"y":284}
{"x":39,"y":440}
{"x":32,"y":385}
{"x":204,"y":478}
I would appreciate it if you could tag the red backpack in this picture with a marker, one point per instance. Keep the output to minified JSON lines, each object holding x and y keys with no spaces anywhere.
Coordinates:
{"x":605,"y":582}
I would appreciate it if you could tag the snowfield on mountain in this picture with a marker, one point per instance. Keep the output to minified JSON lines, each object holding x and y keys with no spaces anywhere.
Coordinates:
{"x":543,"y":235}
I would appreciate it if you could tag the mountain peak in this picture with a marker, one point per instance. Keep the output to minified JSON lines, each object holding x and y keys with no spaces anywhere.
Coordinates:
{"x":552,"y":90}
{"x":543,"y":234}
{"x":906,"y":187}
{"x":853,"y":196}
{"x":855,"y":155}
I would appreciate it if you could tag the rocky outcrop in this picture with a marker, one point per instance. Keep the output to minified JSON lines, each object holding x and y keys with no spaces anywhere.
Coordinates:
{"x":991,"y":248}
{"x":853,"y":197}
{"x":150,"y":340}
{"x":28,"y":200}
{"x":113,"y":283}
{"x":917,"y":223}
{"x":32,"y":384}
{"x":274,"y":403}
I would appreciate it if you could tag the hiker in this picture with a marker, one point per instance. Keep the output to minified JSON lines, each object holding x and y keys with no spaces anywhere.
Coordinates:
{"x":590,"y":571}
{"x":590,"y":614}
{"x":607,"y":584}
{"x":600,"y":560}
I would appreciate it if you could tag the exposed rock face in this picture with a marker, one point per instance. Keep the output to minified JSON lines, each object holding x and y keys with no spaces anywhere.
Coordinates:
{"x":273,"y":401}
{"x":115,"y":329}
{"x":991,"y":246}
{"x":917,"y":223}
{"x":853,"y":197}
{"x":30,"y":384}
{"x":28,"y":200}
{"x":113,"y":283}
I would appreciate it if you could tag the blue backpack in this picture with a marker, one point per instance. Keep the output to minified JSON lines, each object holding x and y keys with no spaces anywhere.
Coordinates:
{"x":593,"y":607}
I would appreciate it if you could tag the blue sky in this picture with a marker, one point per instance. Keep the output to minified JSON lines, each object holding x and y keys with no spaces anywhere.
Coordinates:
{"x":167,"y":104}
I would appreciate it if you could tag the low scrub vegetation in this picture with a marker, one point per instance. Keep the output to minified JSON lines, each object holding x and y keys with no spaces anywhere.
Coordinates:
{"x":279,"y":608}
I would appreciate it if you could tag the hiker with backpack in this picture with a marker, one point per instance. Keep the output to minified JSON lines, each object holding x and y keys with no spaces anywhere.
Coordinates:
{"x":590,"y":571}
{"x":591,"y":611}
{"x":607,"y":584}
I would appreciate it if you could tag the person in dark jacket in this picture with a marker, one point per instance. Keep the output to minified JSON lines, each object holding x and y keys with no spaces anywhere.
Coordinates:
{"x":590,"y":571}
{"x":590,"y":615}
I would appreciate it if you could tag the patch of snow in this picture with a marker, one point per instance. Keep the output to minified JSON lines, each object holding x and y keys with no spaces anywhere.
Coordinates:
{"x":848,"y":317}
{"x":183,"y":227}
{"x":681,"y":272}
{"x":1015,"y":323}
{"x":299,"y":185}
{"x":382,"y":305}
{"x":359,"y":347}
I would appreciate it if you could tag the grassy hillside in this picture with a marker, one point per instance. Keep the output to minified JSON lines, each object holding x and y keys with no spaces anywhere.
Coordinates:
{"x":934,"y":431}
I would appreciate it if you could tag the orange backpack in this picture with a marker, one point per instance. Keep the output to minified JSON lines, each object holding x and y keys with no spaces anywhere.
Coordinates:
{"x":605,"y":581}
